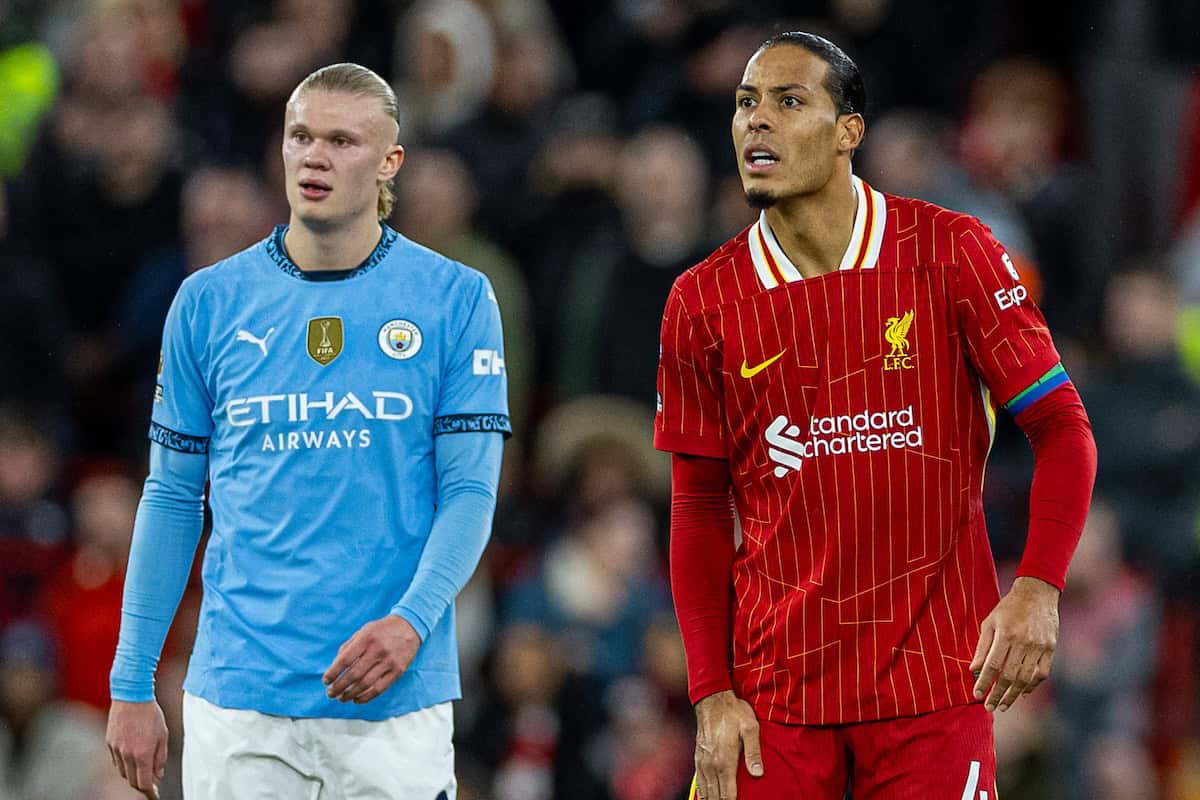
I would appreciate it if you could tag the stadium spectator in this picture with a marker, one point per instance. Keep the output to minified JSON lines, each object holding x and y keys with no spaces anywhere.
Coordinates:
{"x":33,"y":521}
{"x":49,"y":749}
{"x":597,"y":588}
{"x":1021,"y":156}
{"x":1147,"y":410}
{"x":618,"y":279}
{"x":1107,"y":655}
{"x":82,"y":600}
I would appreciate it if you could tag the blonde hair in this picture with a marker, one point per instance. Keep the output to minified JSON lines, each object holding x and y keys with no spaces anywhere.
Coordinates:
{"x":358,"y":80}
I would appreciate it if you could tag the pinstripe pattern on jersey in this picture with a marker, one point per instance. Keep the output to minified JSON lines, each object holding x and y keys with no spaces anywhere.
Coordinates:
{"x":862,"y":578}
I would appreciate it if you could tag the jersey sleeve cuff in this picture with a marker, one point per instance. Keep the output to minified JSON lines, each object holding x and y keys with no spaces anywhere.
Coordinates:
{"x":699,"y":691}
{"x":686,"y":444}
{"x":414,"y":619}
{"x":127,"y":691}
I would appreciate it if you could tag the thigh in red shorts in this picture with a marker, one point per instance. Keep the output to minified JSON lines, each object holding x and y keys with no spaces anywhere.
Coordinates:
{"x":799,"y":763}
{"x":943,"y":755}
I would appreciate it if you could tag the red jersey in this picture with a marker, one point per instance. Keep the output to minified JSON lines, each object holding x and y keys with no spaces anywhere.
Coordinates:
{"x":856,"y":410}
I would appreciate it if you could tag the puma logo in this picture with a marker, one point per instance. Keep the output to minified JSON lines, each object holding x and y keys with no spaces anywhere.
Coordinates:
{"x":244,"y":335}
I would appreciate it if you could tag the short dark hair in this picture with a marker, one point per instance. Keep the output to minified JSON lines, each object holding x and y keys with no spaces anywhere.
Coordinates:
{"x":843,"y":82}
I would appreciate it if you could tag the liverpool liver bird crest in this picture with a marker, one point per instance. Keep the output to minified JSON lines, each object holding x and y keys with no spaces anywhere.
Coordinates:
{"x":896,"y":333}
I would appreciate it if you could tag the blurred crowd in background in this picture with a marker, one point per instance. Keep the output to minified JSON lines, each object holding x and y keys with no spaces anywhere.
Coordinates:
{"x":579,"y":154}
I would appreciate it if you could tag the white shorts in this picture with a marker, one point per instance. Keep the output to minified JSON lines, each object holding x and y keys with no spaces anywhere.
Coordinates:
{"x":231,"y":754}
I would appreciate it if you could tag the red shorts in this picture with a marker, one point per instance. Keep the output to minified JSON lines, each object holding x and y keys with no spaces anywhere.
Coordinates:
{"x":944,"y":755}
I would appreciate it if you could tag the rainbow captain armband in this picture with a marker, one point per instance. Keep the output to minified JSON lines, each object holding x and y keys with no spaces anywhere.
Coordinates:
{"x":1054,"y":378}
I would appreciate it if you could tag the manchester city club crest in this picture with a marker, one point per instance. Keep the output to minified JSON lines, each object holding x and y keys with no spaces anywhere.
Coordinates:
{"x":400,"y":339}
{"x":325,"y":339}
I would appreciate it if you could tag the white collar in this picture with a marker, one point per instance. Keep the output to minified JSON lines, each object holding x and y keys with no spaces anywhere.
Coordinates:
{"x":870,"y":217}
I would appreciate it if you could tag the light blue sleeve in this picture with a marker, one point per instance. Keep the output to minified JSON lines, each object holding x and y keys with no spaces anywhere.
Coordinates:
{"x":474,"y":387}
{"x":181,"y":417}
{"x":170,"y":518}
{"x":468,"y":469}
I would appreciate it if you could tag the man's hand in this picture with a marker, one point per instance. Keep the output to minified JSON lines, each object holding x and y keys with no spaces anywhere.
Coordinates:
{"x":372,"y":659}
{"x":725,"y":727}
{"x":137,"y":743}
{"x":1016,"y":643}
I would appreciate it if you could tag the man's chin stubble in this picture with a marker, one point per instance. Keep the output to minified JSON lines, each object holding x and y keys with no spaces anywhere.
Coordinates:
{"x":760,"y":199}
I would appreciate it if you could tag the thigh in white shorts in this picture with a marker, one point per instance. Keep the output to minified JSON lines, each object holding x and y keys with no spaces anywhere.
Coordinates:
{"x":231,"y":754}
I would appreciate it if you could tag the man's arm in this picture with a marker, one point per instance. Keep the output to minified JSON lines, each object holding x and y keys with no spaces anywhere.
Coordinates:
{"x":1017,"y":640}
{"x":701,"y":554}
{"x":170,"y":518}
{"x":468,"y":470}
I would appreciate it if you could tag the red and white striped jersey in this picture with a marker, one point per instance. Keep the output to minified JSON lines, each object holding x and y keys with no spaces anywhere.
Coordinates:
{"x":856,"y":410}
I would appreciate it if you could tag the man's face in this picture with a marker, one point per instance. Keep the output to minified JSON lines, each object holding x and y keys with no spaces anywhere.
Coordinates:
{"x":337,"y":148}
{"x":786,"y":130}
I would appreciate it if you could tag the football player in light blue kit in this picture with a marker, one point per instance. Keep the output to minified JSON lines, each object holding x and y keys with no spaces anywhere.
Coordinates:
{"x":342,"y":390}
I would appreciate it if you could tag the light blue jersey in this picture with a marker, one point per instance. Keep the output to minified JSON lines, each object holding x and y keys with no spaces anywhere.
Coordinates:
{"x":317,"y":398}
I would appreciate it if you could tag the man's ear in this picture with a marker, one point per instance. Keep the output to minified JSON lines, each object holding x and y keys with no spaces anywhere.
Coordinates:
{"x":391,"y":163}
{"x":851,"y":128}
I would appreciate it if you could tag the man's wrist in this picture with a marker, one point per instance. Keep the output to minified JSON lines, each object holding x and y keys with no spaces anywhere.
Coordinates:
{"x":713,"y":697}
{"x":1028,"y":584}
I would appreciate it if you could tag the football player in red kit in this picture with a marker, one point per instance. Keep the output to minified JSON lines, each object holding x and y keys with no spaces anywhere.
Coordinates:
{"x":835,"y":370}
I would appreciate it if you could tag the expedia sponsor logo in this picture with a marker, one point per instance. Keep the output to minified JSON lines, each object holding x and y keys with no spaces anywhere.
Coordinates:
{"x":865,"y":432}
{"x":895,"y":333}
{"x":1010,"y":298}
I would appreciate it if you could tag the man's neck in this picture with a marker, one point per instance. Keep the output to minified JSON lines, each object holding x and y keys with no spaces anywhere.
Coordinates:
{"x":331,"y":248}
{"x":814,"y":230}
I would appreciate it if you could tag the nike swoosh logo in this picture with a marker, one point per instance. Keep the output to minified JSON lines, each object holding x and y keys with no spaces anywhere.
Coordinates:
{"x":750,"y":372}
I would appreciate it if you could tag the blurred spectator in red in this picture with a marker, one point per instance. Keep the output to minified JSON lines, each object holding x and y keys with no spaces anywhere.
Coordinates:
{"x":33,"y":522}
{"x":1105,"y":661}
{"x":652,"y":751}
{"x":82,"y":600}
{"x":652,"y":733}
{"x":537,"y":730}
{"x":1013,"y":142}
{"x":49,"y":749}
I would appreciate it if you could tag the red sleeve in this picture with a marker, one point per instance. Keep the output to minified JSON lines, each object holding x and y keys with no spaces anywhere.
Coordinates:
{"x":1005,"y":334}
{"x":1064,"y":468}
{"x":702,"y":550}
{"x":690,"y":399}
